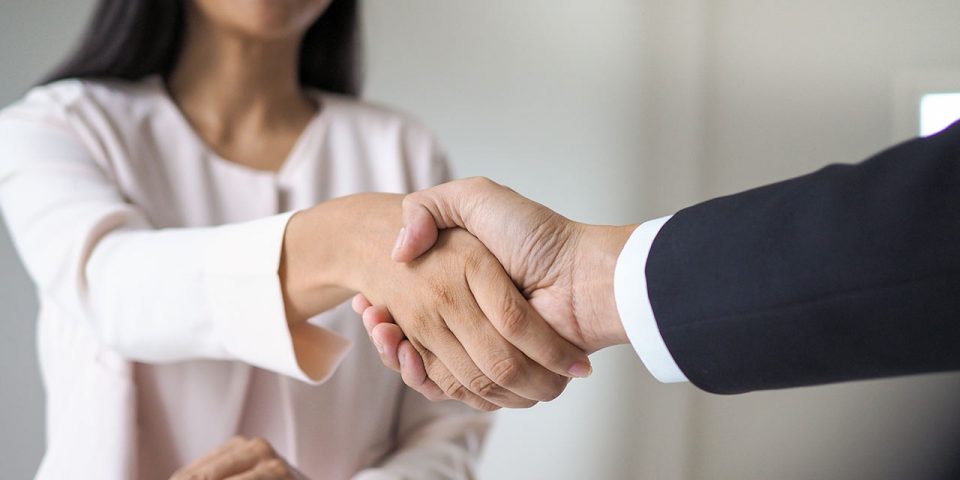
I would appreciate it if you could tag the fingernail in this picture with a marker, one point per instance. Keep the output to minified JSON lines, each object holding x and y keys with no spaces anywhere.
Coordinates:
{"x":400,"y":360}
{"x":580,"y":370}
{"x":401,"y":238}
{"x":377,"y":344}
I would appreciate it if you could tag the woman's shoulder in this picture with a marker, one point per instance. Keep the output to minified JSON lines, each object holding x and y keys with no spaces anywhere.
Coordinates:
{"x":71,"y":99}
{"x":413,"y":144}
{"x":370,"y":116}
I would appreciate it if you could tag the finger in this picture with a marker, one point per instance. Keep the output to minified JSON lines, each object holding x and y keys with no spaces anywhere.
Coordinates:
{"x":388,"y":337}
{"x":234,"y":458}
{"x":360,"y":303}
{"x":513,"y":317}
{"x":414,"y":375}
{"x":373,"y":316}
{"x":447,"y":350}
{"x":495,"y":356}
{"x":270,"y":469}
{"x":199,"y":464}
{"x":418,"y":235}
{"x":449,"y":205}
{"x":450,"y":385}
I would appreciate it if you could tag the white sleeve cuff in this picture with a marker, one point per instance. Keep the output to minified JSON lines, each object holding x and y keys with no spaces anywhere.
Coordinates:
{"x":633,"y":304}
{"x":243,"y":284}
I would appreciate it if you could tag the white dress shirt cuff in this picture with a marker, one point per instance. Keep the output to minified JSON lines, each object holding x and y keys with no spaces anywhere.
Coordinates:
{"x":633,"y":304}
{"x":243,"y":284}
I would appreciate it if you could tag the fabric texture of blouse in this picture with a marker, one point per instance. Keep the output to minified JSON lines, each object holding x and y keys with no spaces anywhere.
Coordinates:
{"x":162,"y":330}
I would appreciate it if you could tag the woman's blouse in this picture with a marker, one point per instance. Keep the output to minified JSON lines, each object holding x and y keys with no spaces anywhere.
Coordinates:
{"x":162,"y":329}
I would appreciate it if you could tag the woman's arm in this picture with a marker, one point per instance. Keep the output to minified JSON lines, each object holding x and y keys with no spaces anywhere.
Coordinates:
{"x":173,"y":294}
{"x":153,"y":295}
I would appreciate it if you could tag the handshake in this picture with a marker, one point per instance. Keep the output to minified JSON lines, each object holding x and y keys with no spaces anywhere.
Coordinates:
{"x":522,"y":295}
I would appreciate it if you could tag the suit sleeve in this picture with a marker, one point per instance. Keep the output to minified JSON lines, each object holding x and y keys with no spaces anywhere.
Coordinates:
{"x":851,"y":272}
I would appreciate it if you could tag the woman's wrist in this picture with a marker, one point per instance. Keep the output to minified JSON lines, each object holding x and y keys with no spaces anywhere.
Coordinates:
{"x":331,"y":249}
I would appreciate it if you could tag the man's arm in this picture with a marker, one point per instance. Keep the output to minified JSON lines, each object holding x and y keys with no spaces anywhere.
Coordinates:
{"x":852,"y":272}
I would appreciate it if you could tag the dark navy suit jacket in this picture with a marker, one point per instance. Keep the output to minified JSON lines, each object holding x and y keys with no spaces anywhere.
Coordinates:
{"x":851,"y":272}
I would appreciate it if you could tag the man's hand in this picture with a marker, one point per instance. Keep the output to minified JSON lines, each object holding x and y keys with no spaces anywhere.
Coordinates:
{"x":241,"y":459}
{"x":564,"y":268}
{"x":478,"y":337}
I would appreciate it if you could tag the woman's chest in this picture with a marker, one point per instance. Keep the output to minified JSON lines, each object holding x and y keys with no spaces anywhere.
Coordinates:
{"x":179,"y":183}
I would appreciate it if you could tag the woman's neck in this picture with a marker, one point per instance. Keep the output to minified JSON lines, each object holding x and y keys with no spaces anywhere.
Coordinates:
{"x":226,"y":83}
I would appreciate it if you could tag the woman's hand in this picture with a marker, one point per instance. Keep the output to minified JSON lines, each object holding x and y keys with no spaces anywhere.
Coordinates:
{"x":240,"y":459}
{"x":479,"y":340}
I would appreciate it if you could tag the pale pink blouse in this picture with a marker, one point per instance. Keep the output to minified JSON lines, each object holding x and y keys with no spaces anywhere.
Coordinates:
{"x":162,"y":328}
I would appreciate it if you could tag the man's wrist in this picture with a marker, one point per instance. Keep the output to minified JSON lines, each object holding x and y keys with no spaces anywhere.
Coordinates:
{"x":597,"y":250}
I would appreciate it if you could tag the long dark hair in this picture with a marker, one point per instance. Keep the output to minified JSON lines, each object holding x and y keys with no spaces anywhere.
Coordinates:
{"x":131,"y":39}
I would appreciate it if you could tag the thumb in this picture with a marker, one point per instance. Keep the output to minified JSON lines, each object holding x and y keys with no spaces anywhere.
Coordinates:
{"x":427,"y":211}
{"x":449,"y":205}
{"x":418,"y":234}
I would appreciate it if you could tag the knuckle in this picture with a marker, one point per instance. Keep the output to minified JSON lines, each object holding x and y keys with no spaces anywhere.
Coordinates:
{"x":454,"y":389}
{"x":479,"y":261}
{"x":260,"y":447}
{"x":507,"y":371}
{"x":442,"y":381}
{"x":457,"y":391}
{"x":420,"y":326}
{"x":441,"y":293}
{"x":275,"y":466}
{"x":483,"y":386}
{"x":513,"y":319}
{"x":473,"y":264}
{"x":480,"y":182}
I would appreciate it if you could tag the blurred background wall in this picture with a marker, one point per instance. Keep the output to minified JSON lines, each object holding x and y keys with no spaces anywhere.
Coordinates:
{"x":614,"y":111}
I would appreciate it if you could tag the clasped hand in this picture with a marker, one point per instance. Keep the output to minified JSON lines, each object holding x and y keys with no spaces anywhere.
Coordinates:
{"x":533,"y":285}
{"x":474,"y":335}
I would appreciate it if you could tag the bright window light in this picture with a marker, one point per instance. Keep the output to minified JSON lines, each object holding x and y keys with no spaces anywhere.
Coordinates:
{"x":938,"y":111}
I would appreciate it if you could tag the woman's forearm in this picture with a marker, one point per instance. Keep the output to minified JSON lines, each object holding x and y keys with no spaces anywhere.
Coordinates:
{"x":329,"y":248}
